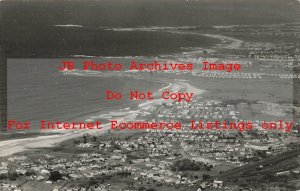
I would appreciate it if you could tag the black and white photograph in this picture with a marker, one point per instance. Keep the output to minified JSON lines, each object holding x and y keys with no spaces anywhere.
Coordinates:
{"x":149,"y":95}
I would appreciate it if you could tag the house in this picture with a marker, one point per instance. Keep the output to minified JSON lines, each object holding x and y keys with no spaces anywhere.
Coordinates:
{"x":217,"y":184}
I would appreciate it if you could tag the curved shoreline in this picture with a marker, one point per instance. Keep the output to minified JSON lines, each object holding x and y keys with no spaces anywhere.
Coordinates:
{"x":14,"y":146}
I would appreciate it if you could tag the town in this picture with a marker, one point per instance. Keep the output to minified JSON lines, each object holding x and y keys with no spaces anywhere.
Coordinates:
{"x":257,"y":101}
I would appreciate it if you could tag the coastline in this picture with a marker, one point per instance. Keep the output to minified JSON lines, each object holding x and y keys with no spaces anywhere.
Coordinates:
{"x":13,"y":146}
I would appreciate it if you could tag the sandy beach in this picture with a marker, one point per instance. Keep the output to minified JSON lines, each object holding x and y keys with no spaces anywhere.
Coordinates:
{"x":13,"y":146}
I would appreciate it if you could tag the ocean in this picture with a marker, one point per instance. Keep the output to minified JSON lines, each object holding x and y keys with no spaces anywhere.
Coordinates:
{"x":32,"y":32}
{"x":37,"y":90}
{"x":32,"y":28}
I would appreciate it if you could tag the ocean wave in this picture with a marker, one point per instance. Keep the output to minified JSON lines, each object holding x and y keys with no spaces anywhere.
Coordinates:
{"x":69,"y":25}
{"x":82,"y":56}
{"x":257,"y":25}
{"x":119,"y":57}
{"x":109,"y":57}
{"x":83,"y":73}
{"x":150,"y":28}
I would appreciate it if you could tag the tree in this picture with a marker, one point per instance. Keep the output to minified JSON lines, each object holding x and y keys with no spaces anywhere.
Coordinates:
{"x":12,"y":176}
{"x":55,"y":176}
{"x":30,"y":173}
{"x":185,"y":164}
{"x":3,"y":177}
{"x":205,"y":176}
{"x":151,"y":189}
{"x":208,"y":168}
{"x":84,"y":139}
{"x":142,"y":189}
{"x":95,"y":138}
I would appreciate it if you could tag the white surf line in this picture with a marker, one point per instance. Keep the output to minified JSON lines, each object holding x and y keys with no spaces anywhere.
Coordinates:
{"x":170,"y":84}
{"x":10,"y":147}
{"x":235,"y":44}
{"x":68,"y":25}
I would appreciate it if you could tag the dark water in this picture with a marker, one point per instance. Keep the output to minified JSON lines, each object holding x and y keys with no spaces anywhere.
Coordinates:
{"x":36,"y":90}
{"x":27,"y":27}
